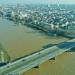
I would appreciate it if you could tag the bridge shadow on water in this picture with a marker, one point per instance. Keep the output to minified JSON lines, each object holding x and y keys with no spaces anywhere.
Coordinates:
{"x":67,"y":45}
{"x":2,"y":64}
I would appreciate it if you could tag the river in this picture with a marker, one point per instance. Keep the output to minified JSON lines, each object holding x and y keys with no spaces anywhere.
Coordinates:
{"x":20,"y":40}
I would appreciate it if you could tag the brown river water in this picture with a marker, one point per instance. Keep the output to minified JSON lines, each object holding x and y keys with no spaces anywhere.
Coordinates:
{"x":19,"y":40}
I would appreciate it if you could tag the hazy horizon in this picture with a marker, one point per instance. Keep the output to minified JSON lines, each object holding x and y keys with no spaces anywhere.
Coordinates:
{"x":37,"y":2}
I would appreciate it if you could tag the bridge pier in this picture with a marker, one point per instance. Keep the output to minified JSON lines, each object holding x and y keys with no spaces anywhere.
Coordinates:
{"x":52,"y":58}
{"x":36,"y":67}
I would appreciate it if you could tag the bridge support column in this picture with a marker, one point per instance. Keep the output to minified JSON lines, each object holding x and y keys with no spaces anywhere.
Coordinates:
{"x":36,"y":67}
{"x":52,"y":58}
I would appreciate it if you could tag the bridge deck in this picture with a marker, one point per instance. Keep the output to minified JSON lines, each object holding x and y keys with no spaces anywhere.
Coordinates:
{"x":26,"y":63}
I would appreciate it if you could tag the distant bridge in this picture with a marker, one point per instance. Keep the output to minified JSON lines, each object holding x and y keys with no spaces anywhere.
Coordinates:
{"x":22,"y":65}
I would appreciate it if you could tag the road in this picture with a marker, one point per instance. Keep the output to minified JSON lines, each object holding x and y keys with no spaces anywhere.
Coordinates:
{"x":22,"y":65}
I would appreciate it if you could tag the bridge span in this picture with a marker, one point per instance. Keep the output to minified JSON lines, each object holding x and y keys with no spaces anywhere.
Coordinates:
{"x":24,"y":64}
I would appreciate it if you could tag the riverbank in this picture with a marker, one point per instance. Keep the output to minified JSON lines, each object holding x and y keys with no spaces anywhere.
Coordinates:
{"x":23,"y":40}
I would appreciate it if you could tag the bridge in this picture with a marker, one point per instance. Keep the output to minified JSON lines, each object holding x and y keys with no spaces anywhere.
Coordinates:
{"x":26,"y":63}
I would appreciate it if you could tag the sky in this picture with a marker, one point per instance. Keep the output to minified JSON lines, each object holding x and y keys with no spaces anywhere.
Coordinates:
{"x":38,"y":1}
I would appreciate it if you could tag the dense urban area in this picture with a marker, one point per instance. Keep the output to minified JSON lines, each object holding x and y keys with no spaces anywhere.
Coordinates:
{"x":51,"y":19}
